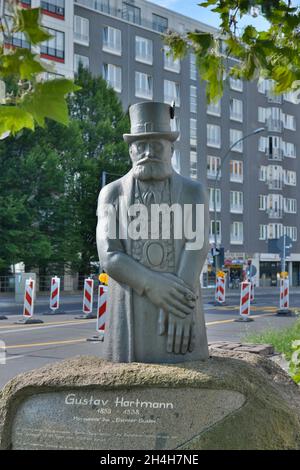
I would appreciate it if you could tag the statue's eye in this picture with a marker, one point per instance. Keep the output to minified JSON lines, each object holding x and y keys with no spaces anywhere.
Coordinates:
{"x":157,"y":147}
{"x":141,"y":147}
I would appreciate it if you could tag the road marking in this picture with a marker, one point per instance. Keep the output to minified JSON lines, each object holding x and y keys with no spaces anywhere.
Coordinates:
{"x":50,"y":343}
{"x":25,"y":328}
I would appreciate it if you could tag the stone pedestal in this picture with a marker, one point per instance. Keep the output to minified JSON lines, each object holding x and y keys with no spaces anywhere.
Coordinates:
{"x":235,"y":400}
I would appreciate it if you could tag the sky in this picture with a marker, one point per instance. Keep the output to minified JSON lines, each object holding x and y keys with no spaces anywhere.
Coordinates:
{"x":191,"y":8}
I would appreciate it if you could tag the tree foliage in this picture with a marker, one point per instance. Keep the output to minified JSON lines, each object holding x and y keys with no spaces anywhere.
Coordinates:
{"x":272,"y":54}
{"x":32,"y":100}
{"x":50,"y":180}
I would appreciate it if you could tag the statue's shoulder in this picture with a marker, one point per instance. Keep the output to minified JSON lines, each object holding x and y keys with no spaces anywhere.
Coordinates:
{"x":191,"y":189}
{"x":113,"y":190}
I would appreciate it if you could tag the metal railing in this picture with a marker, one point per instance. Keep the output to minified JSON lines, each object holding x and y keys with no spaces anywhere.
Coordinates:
{"x":275,"y":154}
{"x":274,"y":125}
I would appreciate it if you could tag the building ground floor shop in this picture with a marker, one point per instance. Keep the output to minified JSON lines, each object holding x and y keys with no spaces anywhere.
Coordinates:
{"x":268,"y":269}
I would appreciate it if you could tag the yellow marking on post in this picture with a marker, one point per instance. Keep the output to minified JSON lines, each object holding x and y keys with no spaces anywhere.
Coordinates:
{"x":50,"y":343}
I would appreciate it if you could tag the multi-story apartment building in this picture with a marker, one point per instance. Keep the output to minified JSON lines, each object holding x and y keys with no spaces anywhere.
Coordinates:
{"x":257,"y":198}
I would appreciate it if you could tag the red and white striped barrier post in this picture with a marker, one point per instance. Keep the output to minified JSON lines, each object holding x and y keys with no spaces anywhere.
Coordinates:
{"x":88,"y":298}
{"x":28,"y":307}
{"x":220,"y":290}
{"x":284,"y":297}
{"x":102,"y":309}
{"x":245,"y":303}
{"x":55,"y":294}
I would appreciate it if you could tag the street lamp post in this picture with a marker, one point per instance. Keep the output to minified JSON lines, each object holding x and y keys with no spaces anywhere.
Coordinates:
{"x":257,"y":131}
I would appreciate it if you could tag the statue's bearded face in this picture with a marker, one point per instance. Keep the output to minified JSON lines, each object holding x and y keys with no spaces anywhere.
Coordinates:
{"x":151,"y":159}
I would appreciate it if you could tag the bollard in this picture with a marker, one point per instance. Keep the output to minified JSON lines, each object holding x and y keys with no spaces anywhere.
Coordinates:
{"x":55,"y":294}
{"x":245,"y":303}
{"x":28,"y":308}
{"x":284,"y":301}
{"x":220,"y":289}
{"x":88,"y":297}
{"x":101,"y":314}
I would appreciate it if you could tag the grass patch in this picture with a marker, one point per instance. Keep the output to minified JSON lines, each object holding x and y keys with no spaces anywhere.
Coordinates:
{"x":280,"y":339}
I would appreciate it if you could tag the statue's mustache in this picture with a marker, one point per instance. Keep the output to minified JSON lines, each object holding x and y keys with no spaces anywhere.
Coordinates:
{"x":148,"y":159}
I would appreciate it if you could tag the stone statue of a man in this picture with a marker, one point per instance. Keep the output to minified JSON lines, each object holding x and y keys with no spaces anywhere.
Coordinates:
{"x":155,"y":312}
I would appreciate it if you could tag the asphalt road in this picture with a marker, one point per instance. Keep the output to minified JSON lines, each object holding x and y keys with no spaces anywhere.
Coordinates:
{"x":62,"y":336}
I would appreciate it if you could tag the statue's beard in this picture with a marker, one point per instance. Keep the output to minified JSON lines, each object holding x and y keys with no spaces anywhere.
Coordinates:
{"x":152,"y":171}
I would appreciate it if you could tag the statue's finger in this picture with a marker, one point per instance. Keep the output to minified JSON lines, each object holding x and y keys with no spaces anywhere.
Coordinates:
{"x":192,"y":340}
{"x":171,"y":333}
{"x":162,"y":323}
{"x":178,"y":337}
{"x":180,"y":305}
{"x":176,"y":312}
{"x":186,"y":337}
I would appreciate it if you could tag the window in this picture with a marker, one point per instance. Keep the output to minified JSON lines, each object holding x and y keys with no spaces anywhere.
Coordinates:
{"x":143,"y":85}
{"x":236,"y":171}
{"x":81,"y":59}
{"x":274,"y":148}
{"x":214,"y":108}
{"x":175,"y":124}
{"x":275,"y":177}
{"x":176,"y":160}
{"x":213,"y":164}
{"x":55,"y":47}
{"x":236,"y":84}
{"x":275,"y":231}
{"x":81,"y":30}
{"x":263,"y":232}
{"x":193,"y":132}
{"x":160,"y":23}
{"x":215,"y":227}
{"x":53,"y":7}
{"x":171,"y":92}
{"x":212,"y":201}
{"x":113,"y":75}
{"x":235,"y":136}
{"x":213,"y":135}
{"x":263,"y":173}
{"x":193,"y":164}
{"x":193,"y":99}
{"x":290,"y":97}
{"x":263,"y":199}
{"x":131,"y":13}
{"x":262,"y":114}
{"x":169,"y":62}
{"x":143,"y":50}
{"x":112,"y":40}
{"x":193,"y":67}
{"x":290,"y":206}
{"x":291,"y":232}
{"x":237,"y":233}
{"x":236,"y":110}
{"x":289,"y":122}
{"x":290,"y":178}
{"x":289,"y":149}
{"x":236,"y":202}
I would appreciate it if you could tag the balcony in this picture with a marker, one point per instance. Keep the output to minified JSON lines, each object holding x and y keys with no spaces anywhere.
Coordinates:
{"x":119,"y":13}
{"x":275,"y":184}
{"x":236,"y":239}
{"x":275,"y":99}
{"x":275,"y":213}
{"x":234,"y":178}
{"x":236,"y":209}
{"x":275,"y":154}
{"x":274,"y":125}
{"x":211,"y":175}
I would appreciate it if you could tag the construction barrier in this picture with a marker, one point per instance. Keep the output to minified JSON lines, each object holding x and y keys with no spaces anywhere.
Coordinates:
{"x":284,"y":305}
{"x":102,"y":309}
{"x":28,"y":308}
{"x":220,"y":290}
{"x":55,"y":293}
{"x":88,"y":296}
{"x":245,"y":303}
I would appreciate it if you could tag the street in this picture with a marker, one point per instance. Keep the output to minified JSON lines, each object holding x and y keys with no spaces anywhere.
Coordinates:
{"x":63,"y":336}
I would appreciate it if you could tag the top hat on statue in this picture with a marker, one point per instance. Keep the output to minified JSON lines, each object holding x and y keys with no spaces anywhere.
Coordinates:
{"x":151,"y":120}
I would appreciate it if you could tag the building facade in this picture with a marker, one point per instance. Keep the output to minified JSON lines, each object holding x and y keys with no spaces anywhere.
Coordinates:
{"x":257,"y":197}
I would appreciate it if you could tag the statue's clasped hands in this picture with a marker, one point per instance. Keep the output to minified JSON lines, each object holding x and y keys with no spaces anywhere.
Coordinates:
{"x":177,"y":303}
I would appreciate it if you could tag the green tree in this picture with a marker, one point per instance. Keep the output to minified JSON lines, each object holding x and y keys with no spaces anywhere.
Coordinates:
{"x":32,"y":100}
{"x":272,"y":54}
{"x":50,"y":180}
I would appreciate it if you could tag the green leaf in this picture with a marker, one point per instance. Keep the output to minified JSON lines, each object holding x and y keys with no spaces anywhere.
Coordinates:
{"x":48,"y":101}
{"x":21,"y":63}
{"x":13,"y":119}
{"x":28,"y":22}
